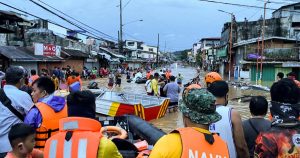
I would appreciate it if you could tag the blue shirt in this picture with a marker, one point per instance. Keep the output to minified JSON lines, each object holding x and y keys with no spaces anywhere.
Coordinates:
{"x":173,"y":91}
{"x":22,"y":102}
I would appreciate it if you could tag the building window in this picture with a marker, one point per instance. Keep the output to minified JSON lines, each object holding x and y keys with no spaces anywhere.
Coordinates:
{"x":130,"y":43}
{"x":297,"y":7}
{"x":151,"y":49}
{"x":296,"y":24}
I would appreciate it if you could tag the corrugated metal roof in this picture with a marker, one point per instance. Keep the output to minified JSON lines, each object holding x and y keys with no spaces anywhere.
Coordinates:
{"x":111,"y":52}
{"x":75,"y":53}
{"x":25,"y":54}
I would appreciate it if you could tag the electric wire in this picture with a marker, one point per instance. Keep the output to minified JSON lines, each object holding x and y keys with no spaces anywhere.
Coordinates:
{"x":77,"y":20}
{"x":63,"y":18}
{"x":25,"y":12}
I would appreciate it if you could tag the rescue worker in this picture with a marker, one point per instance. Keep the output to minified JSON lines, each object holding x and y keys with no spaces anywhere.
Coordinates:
{"x":80,"y":129}
{"x":46,"y":113}
{"x":194,"y":140}
{"x":212,"y":77}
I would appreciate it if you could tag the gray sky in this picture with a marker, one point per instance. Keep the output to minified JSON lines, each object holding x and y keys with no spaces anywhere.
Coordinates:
{"x":180,"y":23}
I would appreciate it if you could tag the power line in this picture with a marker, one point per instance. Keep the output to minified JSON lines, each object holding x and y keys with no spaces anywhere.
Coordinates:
{"x":127,"y":3}
{"x":77,"y":20}
{"x":70,"y":22}
{"x":25,"y":12}
{"x":245,"y":5}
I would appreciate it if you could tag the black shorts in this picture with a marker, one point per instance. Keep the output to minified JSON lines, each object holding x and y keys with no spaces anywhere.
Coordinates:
{"x":173,"y":104}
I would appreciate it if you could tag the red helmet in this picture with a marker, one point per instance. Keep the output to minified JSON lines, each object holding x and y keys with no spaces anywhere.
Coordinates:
{"x":212,"y":77}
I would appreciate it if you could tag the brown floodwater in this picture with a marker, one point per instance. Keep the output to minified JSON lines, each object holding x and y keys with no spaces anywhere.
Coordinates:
{"x":174,"y":119}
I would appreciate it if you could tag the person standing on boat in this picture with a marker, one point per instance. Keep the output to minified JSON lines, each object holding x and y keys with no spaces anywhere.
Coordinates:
{"x":154,"y":84}
{"x":194,"y":140}
{"x":80,"y":128}
{"x":148,"y":87}
{"x":257,"y":123}
{"x":172,"y":90}
{"x":230,"y":126}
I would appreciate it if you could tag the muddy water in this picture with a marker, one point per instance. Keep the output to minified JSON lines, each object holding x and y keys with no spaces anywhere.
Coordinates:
{"x":173,"y":120}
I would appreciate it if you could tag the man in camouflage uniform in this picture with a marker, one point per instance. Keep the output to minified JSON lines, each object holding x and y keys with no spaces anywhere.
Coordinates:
{"x":194,"y":140}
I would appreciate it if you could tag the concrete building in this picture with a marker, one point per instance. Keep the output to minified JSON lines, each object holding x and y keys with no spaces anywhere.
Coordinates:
{"x":209,"y":50}
{"x":281,"y":40}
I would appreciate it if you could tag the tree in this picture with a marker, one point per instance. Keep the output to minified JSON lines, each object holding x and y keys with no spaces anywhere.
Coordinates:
{"x":199,"y":59}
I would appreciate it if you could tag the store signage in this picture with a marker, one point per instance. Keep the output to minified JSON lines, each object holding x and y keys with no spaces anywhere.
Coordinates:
{"x":291,"y":64}
{"x":46,"y":49}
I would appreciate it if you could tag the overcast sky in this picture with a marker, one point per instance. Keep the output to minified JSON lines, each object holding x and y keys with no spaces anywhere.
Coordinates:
{"x":180,"y":23}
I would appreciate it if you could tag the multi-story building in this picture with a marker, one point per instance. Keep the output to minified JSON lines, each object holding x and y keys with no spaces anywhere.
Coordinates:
{"x":281,"y":49}
{"x":209,"y":50}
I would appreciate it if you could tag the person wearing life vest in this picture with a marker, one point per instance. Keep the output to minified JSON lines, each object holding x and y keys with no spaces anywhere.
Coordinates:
{"x":79,"y":134}
{"x":194,"y":140}
{"x":212,"y":77}
{"x":46,"y":113}
{"x":33,"y":77}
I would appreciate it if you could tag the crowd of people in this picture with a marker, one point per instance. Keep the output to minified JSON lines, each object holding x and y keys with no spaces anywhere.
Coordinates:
{"x":214,"y":129}
{"x":43,"y":124}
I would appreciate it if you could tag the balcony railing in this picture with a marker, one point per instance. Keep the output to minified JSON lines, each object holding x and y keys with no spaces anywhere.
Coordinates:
{"x":276,"y":54}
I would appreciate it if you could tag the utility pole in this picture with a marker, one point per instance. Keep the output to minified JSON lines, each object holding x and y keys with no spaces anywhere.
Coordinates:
{"x":263,"y":42}
{"x":258,"y":49}
{"x":230,"y":41}
{"x":230,"y":46}
{"x":157,"y":50}
{"x":121,"y":30}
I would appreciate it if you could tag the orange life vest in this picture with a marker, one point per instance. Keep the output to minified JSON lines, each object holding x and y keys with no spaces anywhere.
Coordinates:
{"x":49,"y":125}
{"x":78,"y":137}
{"x":195,"y":145}
{"x":148,"y":75}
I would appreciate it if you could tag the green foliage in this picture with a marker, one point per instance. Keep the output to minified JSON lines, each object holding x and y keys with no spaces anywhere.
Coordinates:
{"x":182,"y":55}
{"x":199,"y":59}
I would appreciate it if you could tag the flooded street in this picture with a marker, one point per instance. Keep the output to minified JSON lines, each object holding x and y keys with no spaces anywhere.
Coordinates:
{"x":173,"y":120}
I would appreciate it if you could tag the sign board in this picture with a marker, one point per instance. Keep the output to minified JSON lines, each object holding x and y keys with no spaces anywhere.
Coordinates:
{"x":291,"y":64}
{"x":90,"y":60}
{"x":46,"y":49}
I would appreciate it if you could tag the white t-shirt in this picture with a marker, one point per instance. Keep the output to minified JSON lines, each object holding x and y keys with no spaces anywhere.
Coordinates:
{"x":224,"y":128}
{"x":22,"y":102}
{"x":148,"y":86}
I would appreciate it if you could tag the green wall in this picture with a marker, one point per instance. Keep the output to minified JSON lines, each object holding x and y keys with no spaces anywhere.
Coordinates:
{"x":268,"y":73}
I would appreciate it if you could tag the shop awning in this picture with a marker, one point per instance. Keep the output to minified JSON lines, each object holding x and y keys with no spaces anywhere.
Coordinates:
{"x":75,"y":53}
{"x":25,"y":54}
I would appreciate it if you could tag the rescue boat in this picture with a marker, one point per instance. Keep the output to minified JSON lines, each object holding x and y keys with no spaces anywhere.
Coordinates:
{"x":133,"y":136}
{"x":113,"y":104}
